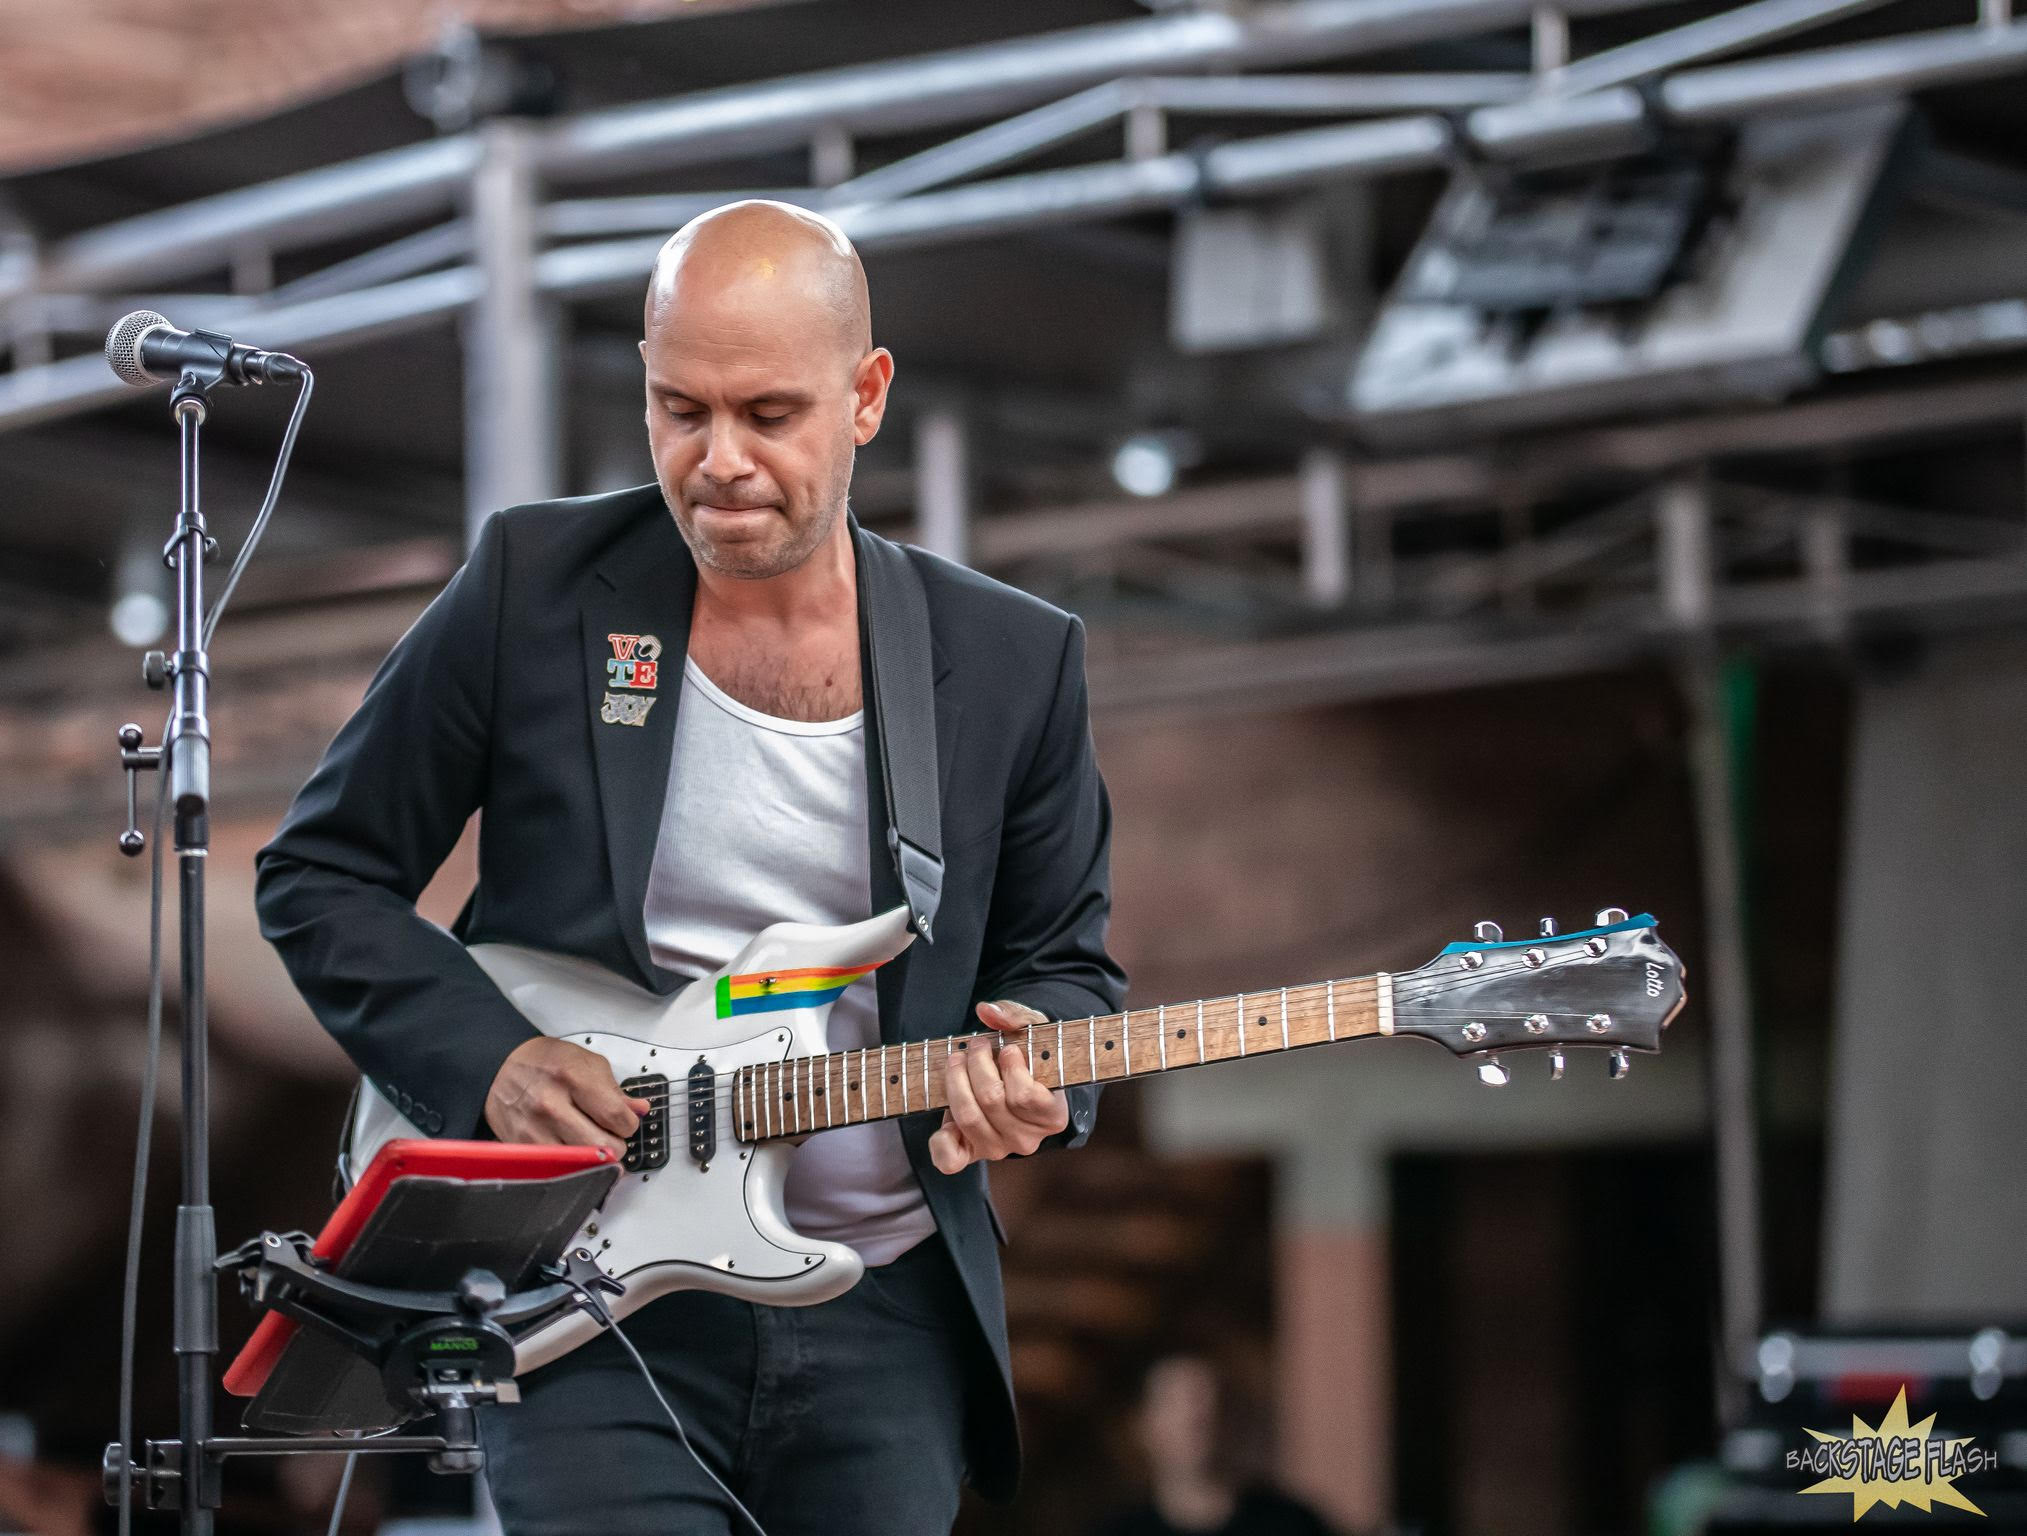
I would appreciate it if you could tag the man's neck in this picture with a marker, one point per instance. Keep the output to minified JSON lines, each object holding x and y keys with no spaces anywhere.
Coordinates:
{"x":787,"y":645}
{"x":822,"y":590}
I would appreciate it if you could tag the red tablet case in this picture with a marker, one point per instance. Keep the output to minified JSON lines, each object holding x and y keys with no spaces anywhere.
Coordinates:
{"x":488,"y":1160}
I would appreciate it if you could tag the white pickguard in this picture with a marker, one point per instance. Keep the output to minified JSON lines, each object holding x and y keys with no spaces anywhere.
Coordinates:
{"x":715,"y":1226}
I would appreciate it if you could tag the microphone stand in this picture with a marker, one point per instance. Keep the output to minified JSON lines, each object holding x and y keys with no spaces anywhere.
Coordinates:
{"x":187,"y":747}
{"x":186,"y":750}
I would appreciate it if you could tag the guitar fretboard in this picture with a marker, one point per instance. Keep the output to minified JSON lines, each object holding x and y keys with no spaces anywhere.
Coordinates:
{"x":814,"y":1093}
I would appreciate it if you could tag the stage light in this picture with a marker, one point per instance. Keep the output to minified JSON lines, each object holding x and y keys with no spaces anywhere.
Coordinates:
{"x":139,"y":618}
{"x":1145,"y":465}
{"x":140,"y":611}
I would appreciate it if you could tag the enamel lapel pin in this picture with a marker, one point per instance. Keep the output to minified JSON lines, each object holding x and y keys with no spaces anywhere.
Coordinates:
{"x":634,"y":668}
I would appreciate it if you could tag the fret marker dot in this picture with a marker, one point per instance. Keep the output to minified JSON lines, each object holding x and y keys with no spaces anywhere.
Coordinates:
{"x":1108,"y":1045}
{"x":1178,"y":1034}
{"x":852,"y":1087}
{"x":894,"y":1077}
{"x":1261,"y":1021}
{"x":1045,"y":1055}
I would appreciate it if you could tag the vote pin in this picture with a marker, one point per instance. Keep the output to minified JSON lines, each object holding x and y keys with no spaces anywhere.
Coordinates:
{"x":635,"y":667}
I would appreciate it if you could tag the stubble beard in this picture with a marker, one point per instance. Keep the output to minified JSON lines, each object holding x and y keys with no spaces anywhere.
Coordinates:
{"x":759,"y":560}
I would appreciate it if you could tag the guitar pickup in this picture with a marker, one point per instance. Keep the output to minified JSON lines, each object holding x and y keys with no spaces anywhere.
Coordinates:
{"x":648,"y":1147}
{"x":703,"y":1084}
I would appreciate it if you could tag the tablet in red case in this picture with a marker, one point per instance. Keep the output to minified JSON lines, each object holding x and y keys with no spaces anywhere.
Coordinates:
{"x":489,"y":1162}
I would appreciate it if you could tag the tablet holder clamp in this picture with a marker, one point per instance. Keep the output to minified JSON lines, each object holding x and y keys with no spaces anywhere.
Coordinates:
{"x":438,"y":1352}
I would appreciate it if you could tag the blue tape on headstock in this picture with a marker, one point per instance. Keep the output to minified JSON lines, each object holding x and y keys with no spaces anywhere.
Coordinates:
{"x":1644,"y":920}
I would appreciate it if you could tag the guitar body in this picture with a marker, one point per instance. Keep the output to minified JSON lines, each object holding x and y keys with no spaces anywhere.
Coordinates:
{"x":713,"y":1221}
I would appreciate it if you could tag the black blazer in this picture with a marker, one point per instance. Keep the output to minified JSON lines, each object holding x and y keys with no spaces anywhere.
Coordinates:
{"x":492,"y":701}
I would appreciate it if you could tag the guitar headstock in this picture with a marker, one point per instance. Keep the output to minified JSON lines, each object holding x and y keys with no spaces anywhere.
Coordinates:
{"x":1614,"y":986}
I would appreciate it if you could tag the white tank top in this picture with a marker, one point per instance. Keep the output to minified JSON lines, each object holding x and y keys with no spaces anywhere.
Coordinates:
{"x":765,"y":822}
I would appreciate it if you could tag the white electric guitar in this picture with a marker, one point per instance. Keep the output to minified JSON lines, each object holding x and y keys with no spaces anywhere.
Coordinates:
{"x":736,"y":1070}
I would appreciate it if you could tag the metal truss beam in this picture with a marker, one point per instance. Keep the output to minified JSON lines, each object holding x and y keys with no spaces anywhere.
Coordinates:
{"x":927,"y":91}
{"x":970,"y":83}
{"x":1600,"y":122}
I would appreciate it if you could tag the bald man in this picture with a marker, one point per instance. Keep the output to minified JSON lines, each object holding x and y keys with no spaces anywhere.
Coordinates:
{"x":651,"y":821}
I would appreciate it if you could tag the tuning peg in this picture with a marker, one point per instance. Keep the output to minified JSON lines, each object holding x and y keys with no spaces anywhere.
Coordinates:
{"x":1492,"y":1073}
{"x":1487,"y":933}
{"x":1609,"y":915}
{"x":1555,"y":1066}
{"x":1621,"y":1064}
{"x":1548,"y":927}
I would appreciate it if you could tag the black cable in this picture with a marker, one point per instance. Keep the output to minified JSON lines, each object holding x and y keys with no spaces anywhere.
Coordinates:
{"x":344,"y":1487}
{"x":143,"y":1140}
{"x":267,"y":506}
{"x":649,"y":1377}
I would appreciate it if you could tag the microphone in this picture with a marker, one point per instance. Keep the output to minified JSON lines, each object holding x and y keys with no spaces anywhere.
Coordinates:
{"x":144,"y":348}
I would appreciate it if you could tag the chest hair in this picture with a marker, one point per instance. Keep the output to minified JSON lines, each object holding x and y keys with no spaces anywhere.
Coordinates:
{"x":791,"y":687}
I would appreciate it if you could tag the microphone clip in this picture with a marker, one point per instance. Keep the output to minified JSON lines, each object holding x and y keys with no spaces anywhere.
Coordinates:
{"x":220,"y":363}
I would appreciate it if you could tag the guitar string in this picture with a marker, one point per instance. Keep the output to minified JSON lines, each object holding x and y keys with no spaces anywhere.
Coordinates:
{"x":1401,"y":993}
{"x":1412,"y":995}
{"x":728,"y":1086}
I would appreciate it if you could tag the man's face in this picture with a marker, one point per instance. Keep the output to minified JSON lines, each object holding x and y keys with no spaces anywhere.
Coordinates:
{"x":753,"y":415}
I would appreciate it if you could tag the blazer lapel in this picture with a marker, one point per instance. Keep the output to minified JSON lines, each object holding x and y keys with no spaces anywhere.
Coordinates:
{"x":636,"y":629}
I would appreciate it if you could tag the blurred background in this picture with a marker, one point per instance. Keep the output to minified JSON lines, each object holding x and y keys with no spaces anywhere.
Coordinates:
{"x":1512,"y":459}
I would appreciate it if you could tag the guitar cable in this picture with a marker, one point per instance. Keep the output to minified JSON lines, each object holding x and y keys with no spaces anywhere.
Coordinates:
{"x":595,"y":1305}
{"x":130,"y":1294}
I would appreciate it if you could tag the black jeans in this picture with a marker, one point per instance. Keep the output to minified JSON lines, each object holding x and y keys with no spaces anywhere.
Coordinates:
{"x":843,"y":1418}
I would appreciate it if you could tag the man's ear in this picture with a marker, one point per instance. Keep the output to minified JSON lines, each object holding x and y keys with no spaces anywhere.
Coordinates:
{"x":870,"y":383}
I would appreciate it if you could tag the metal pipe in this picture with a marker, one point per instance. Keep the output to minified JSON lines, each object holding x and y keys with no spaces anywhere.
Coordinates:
{"x":510,"y":338}
{"x":943,"y":483}
{"x":1289,"y":95}
{"x":664,"y":212}
{"x":965,"y":84}
{"x":405,"y":257}
{"x":335,"y":200}
{"x":1829,"y":77}
{"x":997,"y":144}
{"x":1326,"y":528}
{"x":29,"y":395}
{"x":1716,"y":745}
{"x":1731,"y":31}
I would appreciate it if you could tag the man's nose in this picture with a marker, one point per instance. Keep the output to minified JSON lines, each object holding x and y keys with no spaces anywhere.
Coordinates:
{"x":725,"y":456}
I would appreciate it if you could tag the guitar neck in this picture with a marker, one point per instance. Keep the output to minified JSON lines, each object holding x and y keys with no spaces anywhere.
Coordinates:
{"x":813,"y":1093}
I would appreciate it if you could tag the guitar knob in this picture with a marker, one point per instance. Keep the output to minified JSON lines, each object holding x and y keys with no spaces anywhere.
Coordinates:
{"x":1555,"y":1066}
{"x":1487,"y":933}
{"x":1493,"y":1074}
{"x":1548,"y":927}
{"x":1608,"y":916}
{"x":1621,"y":1064}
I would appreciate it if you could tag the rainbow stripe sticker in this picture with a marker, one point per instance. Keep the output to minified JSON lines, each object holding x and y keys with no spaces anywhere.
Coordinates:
{"x":772,"y":991}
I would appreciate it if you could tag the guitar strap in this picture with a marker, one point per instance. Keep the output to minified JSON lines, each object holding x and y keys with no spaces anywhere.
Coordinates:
{"x":894,"y":633}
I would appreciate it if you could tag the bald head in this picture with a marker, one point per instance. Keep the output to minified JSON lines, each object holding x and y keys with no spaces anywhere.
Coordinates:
{"x":762,"y":381}
{"x":774,"y":263}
